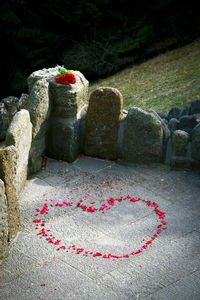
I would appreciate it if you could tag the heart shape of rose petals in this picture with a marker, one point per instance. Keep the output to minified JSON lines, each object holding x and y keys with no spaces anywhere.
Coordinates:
{"x":46,"y":233}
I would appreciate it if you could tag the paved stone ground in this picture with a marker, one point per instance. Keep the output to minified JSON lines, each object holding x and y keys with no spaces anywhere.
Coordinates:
{"x":170,"y":269}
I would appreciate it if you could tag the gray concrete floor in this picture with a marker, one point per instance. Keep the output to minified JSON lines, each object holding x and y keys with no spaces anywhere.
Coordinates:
{"x":169,"y":269}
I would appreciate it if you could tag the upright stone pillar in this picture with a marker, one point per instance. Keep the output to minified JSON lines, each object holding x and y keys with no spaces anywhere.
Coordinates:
{"x":103,"y":117}
{"x":55,"y":111}
{"x":19,"y":134}
{"x":3,"y":221}
{"x":64,"y":130}
{"x":8,"y":158}
{"x":39,"y":108}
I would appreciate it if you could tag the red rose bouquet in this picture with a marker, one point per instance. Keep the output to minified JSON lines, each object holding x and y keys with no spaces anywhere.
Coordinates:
{"x":65,"y":77}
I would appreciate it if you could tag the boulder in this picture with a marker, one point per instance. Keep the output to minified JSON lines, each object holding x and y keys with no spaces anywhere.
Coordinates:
{"x":8,"y":108}
{"x":39,"y":107}
{"x":64,"y":139}
{"x":3,"y":221}
{"x":185,"y":111}
{"x":187,"y":123}
{"x":8,"y":161}
{"x":195,"y":145}
{"x":166,"y":132}
{"x":173,"y":125}
{"x":19,"y":134}
{"x":104,"y":112}
{"x":180,"y":140}
{"x":4,"y":122}
{"x":162,"y":115}
{"x":195,"y":107}
{"x":11,"y":105}
{"x":23,"y":101}
{"x":143,"y":137}
{"x":174,"y":113}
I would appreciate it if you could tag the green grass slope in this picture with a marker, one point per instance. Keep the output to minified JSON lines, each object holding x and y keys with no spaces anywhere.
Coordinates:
{"x":168,"y":80}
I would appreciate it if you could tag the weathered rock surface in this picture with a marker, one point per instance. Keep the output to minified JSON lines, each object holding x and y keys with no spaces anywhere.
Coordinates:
{"x":195,"y":107}
{"x":23,"y":101}
{"x":185,"y":111}
{"x":39,"y":107}
{"x":162,"y":115}
{"x":69,"y":99}
{"x":180,"y":140}
{"x":3,"y":221}
{"x":8,"y":108}
{"x":143,"y":137}
{"x":195,"y":145}
{"x":8,"y":160}
{"x":166,"y":132}
{"x":63,"y":139}
{"x":174,"y":113}
{"x":19,"y":134}
{"x":105,"y":110}
{"x":57,"y":115}
{"x":173,"y":125}
{"x":188,"y":122}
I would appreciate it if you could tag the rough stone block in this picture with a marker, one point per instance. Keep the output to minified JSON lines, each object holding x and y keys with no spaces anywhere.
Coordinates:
{"x":174,"y":113}
{"x":8,"y":108}
{"x":8,"y":158}
{"x":63,"y":138}
{"x":23,"y":101}
{"x":19,"y":134}
{"x":143,"y":137}
{"x":60,"y":101}
{"x":69,"y":99}
{"x":39,"y":108}
{"x":195,"y":107}
{"x":180,"y":140}
{"x":173,"y":125}
{"x":185,"y":111}
{"x":187,"y":122}
{"x":166,"y":132}
{"x":105,"y":111}
{"x":3,"y":221}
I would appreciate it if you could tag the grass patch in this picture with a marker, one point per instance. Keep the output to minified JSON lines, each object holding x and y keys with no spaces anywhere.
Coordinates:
{"x":168,"y":80}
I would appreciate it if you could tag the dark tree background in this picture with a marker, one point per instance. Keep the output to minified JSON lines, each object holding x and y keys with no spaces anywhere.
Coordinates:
{"x":97,"y":37}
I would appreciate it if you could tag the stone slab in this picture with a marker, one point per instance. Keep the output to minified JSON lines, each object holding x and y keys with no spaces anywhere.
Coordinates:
{"x":186,"y":288}
{"x":8,"y":159}
{"x":156,"y":272}
{"x":102,"y":122}
{"x":143,"y":138}
{"x":69,"y":279}
{"x":3,"y":221}
{"x":63,"y":139}
{"x":19,"y":134}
